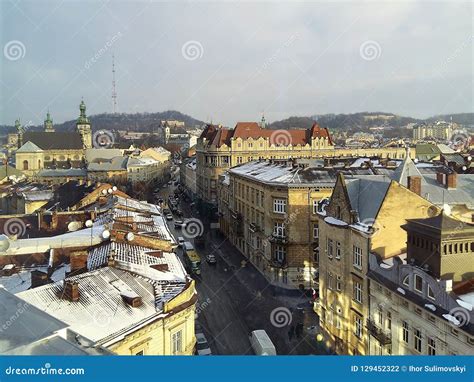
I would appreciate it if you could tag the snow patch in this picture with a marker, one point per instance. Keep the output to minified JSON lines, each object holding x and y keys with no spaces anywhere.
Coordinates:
{"x":430,"y":307}
{"x":452,"y":319}
{"x":334,"y":221}
{"x":401,"y":290}
{"x":464,"y":304}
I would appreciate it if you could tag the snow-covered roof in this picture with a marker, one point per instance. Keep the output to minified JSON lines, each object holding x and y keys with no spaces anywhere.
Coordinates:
{"x":101,"y":314}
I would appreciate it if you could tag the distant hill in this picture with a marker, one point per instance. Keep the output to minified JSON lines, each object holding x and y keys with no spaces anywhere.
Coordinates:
{"x":123,"y":121}
{"x":365,"y":120}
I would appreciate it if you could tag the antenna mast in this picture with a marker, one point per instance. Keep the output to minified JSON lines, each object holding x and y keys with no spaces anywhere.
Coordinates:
{"x":114,"y":92}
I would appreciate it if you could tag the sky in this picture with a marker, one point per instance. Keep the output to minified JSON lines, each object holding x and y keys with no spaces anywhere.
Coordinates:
{"x":233,"y":61}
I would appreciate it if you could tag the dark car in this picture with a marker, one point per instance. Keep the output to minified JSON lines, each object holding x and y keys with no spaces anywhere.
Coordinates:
{"x":211,"y":259}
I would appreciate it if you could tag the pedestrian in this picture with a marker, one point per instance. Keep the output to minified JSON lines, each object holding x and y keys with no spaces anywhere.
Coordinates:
{"x":299,"y":329}
{"x":291,"y":332}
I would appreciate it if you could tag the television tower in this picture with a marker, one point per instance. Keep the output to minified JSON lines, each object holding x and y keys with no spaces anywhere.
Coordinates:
{"x":114,"y":92}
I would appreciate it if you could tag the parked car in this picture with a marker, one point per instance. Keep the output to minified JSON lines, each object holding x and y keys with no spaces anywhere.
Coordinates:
{"x":211,"y":259}
{"x":179,"y":213}
{"x":166,"y":211}
{"x":179,"y":224}
{"x":261,"y":343}
{"x":180,"y":241}
{"x":169,"y":217}
{"x":202,"y":346}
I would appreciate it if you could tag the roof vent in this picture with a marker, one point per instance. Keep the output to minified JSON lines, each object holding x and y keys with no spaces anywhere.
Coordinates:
{"x":131,"y":298}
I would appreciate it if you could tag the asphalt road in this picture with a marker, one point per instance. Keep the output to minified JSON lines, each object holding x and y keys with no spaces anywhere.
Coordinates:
{"x":234,"y":299}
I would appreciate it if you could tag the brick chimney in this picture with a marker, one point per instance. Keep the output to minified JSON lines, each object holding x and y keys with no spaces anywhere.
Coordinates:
{"x":451,"y":180}
{"x":440,"y":178}
{"x":414,"y":184}
{"x":71,"y":291}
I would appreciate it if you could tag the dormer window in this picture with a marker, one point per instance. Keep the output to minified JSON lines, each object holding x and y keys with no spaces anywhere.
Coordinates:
{"x":431,"y":293}
{"x":406,"y":281}
{"x":418,"y":283}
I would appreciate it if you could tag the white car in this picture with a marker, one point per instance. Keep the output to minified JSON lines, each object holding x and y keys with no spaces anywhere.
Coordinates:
{"x":180,"y":241}
{"x":202,"y":346}
{"x":169,"y":217}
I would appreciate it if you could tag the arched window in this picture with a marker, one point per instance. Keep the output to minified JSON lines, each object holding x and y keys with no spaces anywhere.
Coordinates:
{"x":25,"y":165}
{"x":39,"y":163}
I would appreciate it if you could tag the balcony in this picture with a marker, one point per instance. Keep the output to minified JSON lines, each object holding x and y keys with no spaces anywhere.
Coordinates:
{"x":254,"y":228}
{"x":278,"y":263}
{"x":384,"y":337}
{"x":237,"y":223}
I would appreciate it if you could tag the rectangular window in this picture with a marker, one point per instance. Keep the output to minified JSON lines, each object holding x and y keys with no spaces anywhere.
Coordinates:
{"x":338,"y":250}
{"x":358,"y":326}
{"x":279,"y":206}
{"x":330,"y":248}
{"x":330,"y":281}
{"x":418,"y":283}
{"x":315,"y":206}
{"x":339,"y":283}
{"x":405,"y":332}
{"x":380,"y":316}
{"x":389,"y":321}
{"x":280,"y":253}
{"x":431,"y":346}
{"x":315,"y":231}
{"x":417,"y":344}
{"x":357,"y":293}
{"x":177,"y":342}
{"x":357,"y":257}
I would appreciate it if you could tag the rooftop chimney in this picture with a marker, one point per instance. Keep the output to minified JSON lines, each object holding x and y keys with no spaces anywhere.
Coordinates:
{"x":414,"y":184}
{"x":451,"y":180}
{"x":71,"y":291}
{"x":440,"y":178}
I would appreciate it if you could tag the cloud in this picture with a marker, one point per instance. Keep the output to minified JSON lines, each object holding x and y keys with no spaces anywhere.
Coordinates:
{"x":283,"y":58}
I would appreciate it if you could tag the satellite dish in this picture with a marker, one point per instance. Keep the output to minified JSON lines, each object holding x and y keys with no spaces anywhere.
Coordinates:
{"x":4,"y":243}
{"x":73,"y":226}
{"x":89,"y":223}
{"x":469,"y":158}
{"x":446,"y":209}
{"x":130,"y":236}
{"x":114,"y":188}
{"x":104,"y":192}
{"x":110,"y":190}
{"x":106,"y":234}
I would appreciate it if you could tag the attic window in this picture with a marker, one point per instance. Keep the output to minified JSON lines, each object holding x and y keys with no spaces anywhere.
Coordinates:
{"x":406,"y":281}
{"x":418,"y":283}
{"x":431,"y":293}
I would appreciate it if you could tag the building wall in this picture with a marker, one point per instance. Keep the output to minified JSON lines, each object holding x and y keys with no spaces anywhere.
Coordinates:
{"x":390,"y":310}
{"x":253,"y":231}
{"x":212,"y":161}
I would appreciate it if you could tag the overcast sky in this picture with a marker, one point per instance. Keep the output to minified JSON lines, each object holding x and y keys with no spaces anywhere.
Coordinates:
{"x":229,"y":62}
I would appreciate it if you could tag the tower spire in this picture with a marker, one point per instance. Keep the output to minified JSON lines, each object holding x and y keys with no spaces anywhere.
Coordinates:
{"x":114,"y":92}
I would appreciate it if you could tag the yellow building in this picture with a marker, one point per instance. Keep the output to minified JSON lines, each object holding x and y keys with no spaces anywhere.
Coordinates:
{"x":219,"y":149}
{"x":269,"y":211}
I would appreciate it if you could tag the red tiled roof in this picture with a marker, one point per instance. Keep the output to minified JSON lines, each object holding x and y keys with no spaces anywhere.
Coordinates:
{"x":217,"y":136}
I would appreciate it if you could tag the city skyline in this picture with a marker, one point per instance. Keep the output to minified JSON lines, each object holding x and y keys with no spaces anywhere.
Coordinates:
{"x":231,"y":62}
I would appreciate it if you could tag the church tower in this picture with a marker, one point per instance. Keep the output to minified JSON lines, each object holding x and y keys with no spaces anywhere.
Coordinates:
{"x":48,"y":124}
{"x":84,"y":127}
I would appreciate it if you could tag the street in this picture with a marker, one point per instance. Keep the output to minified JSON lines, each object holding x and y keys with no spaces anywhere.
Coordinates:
{"x":235,"y":299}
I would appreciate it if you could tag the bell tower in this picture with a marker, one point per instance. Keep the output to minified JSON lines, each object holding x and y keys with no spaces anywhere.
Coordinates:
{"x":48,"y":124}
{"x":84,"y":127}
